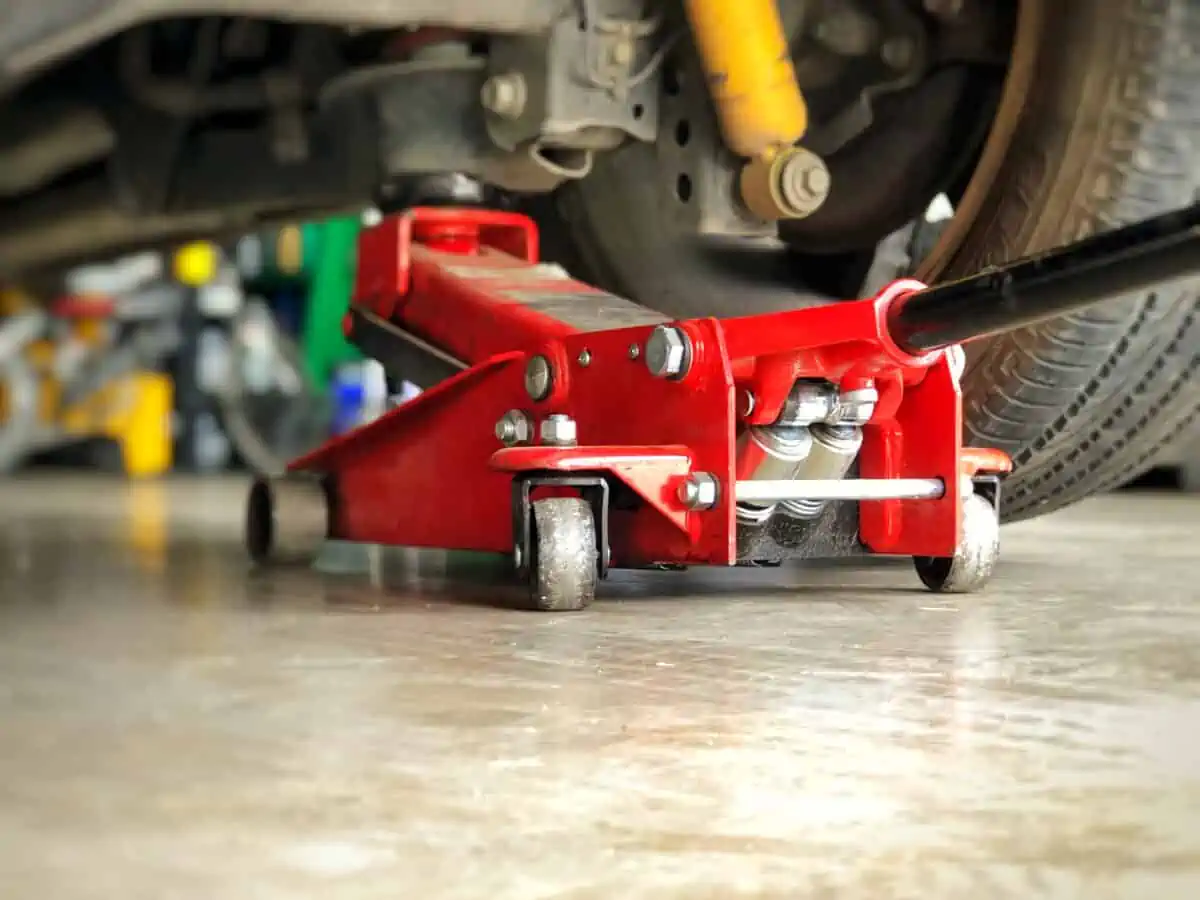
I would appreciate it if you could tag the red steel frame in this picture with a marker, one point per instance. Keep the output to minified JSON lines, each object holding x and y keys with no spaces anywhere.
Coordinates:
{"x":432,"y":473}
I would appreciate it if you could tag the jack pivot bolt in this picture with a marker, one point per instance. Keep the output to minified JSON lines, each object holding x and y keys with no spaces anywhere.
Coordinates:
{"x":513,"y":428}
{"x":539,"y":378}
{"x":856,"y":407}
{"x":559,"y":430}
{"x":668,"y":352}
{"x":698,"y":491}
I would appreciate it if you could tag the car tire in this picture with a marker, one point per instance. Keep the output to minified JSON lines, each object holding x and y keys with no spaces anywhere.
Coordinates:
{"x":1110,"y":134}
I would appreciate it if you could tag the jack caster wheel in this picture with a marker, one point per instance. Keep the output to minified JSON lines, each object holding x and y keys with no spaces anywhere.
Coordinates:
{"x":563,"y":571}
{"x":287,"y":520}
{"x":970,"y":568}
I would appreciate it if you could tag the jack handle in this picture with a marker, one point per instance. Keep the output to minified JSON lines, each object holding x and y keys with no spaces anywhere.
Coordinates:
{"x":1051,"y":284}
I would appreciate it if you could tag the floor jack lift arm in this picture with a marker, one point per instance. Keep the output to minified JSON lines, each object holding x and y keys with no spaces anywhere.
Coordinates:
{"x":578,"y":431}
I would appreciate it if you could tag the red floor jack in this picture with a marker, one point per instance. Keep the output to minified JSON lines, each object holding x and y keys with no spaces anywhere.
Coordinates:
{"x":578,"y":431}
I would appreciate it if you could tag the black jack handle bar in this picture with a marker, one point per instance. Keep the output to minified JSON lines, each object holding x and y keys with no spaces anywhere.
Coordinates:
{"x":1037,"y":288}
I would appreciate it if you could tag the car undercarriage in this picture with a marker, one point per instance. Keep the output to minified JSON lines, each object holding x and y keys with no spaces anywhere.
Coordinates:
{"x":162,"y":129}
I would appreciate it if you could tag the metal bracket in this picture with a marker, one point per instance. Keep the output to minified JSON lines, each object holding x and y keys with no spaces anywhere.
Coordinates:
{"x":593,"y":488}
{"x":698,"y":188}
{"x":401,"y":353}
{"x":988,"y":487}
{"x":561,"y":105}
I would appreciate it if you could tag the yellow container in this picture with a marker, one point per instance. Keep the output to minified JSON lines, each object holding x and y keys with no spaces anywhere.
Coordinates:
{"x":135,"y":412}
{"x":143,"y":427}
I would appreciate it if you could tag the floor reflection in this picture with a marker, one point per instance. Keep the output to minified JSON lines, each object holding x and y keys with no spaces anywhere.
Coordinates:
{"x":177,"y":723}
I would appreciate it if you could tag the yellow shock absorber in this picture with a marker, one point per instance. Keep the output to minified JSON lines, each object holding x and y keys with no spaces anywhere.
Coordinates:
{"x":759,"y":103}
{"x":750,"y":75}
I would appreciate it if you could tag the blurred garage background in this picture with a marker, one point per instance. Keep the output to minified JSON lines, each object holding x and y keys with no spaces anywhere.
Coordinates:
{"x":208,"y":359}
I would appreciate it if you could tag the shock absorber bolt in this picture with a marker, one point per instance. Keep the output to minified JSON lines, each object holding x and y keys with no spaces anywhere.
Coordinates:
{"x":793,"y":184}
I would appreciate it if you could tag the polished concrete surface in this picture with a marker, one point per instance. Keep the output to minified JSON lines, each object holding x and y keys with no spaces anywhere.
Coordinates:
{"x":173,"y":725}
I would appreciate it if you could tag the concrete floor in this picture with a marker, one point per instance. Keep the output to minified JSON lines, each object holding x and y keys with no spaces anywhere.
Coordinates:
{"x":172,"y":725}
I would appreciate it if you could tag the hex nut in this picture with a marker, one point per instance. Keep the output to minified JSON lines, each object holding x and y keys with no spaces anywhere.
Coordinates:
{"x":793,"y":184}
{"x":558,"y":430}
{"x":804,"y":182}
{"x":698,"y":491}
{"x":667,"y":351}
{"x":514,"y":428}
{"x":856,"y":407}
{"x":809,"y":402}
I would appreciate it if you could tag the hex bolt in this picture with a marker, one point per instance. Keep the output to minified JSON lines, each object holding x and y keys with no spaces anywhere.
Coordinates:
{"x":667,"y":352}
{"x":513,"y":428}
{"x":698,"y":491}
{"x":539,"y":378}
{"x":558,"y":430}
{"x":804,"y":182}
{"x":585,"y":358}
{"x":634,"y":351}
{"x":504,"y":95}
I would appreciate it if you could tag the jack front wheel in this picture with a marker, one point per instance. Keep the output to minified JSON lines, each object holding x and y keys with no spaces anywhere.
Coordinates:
{"x":563,"y":571}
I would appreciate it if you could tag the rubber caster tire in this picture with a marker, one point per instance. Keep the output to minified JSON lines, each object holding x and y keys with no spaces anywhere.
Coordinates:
{"x":287,"y":520}
{"x":971,"y":566}
{"x":563,"y":569}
